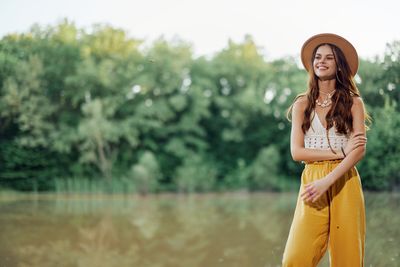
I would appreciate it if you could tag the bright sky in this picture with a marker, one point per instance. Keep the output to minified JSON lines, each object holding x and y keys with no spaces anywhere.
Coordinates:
{"x":279,"y":27}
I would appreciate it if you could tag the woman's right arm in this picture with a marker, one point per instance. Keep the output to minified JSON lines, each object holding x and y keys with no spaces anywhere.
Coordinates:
{"x":298,"y":151}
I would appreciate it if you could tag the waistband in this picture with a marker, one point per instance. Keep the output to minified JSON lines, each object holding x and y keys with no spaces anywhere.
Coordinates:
{"x":322,"y":162}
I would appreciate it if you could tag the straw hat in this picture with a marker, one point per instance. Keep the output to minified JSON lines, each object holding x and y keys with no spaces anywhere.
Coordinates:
{"x":329,"y":38}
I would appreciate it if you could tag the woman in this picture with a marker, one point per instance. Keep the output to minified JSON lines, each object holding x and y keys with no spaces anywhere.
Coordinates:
{"x":328,"y":135}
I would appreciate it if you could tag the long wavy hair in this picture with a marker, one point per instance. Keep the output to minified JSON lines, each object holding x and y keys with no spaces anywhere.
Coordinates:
{"x":339,"y":115}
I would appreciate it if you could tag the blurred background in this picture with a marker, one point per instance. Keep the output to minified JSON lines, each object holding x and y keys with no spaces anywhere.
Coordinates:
{"x":132,"y":128}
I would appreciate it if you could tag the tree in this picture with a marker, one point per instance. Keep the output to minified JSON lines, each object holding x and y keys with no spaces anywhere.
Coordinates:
{"x":379,"y":168}
{"x":196,"y":174}
{"x":146,"y":173}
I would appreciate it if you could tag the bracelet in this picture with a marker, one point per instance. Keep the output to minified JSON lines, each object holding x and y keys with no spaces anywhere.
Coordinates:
{"x":344,"y":154}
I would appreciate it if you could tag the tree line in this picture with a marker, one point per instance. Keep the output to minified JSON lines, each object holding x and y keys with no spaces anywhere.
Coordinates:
{"x":99,"y":107}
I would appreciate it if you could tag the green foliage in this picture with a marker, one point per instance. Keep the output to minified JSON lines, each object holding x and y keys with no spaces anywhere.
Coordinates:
{"x":380,"y":168}
{"x":195,"y":175}
{"x":264,"y":173}
{"x":22,"y":103}
{"x":239,"y":178}
{"x":94,"y":104}
{"x":146,"y":173}
{"x":97,"y":134}
{"x":25,"y":168}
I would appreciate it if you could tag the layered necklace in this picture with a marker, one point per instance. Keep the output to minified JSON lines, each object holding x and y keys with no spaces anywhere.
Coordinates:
{"x":327,"y":101}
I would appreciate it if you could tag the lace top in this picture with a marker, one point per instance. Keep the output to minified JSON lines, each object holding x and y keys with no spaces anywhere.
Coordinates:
{"x":315,"y":137}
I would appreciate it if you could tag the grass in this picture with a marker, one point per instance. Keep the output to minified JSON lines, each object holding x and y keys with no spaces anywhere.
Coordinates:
{"x":84,"y":185}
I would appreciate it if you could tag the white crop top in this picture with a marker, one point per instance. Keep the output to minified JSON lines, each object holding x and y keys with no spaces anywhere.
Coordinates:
{"x":315,"y":137}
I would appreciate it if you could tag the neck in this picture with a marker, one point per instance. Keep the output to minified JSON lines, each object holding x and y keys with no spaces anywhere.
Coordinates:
{"x":327,"y":85}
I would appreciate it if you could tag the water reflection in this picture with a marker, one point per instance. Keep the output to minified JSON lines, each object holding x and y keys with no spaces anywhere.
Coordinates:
{"x":170,"y":230}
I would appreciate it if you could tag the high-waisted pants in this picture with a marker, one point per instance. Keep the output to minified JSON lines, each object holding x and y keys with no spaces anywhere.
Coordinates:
{"x":336,"y":220}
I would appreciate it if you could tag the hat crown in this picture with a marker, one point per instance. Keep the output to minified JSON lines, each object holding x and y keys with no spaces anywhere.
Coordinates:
{"x":345,"y":46}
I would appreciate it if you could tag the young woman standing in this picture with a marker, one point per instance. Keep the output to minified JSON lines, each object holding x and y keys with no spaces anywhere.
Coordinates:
{"x":328,"y":135}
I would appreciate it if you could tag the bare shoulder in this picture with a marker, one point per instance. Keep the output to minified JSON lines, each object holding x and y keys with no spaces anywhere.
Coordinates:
{"x":358,"y":105}
{"x":300,"y":103}
{"x":358,"y":112}
{"x":357,"y":101}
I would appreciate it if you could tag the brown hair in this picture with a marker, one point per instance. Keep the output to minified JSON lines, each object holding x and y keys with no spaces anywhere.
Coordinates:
{"x":339,"y":114}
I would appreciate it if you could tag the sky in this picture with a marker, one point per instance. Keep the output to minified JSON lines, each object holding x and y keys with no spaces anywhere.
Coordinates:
{"x":279,"y":27}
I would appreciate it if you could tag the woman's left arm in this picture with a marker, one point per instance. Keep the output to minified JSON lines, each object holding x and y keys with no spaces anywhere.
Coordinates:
{"x":315,"y":189}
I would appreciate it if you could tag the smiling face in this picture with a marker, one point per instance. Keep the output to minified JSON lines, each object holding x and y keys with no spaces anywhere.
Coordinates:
{"x":324,"y":63}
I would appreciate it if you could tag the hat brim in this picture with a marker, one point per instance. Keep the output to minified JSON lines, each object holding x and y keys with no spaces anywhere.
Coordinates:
{"x":347,"y":48}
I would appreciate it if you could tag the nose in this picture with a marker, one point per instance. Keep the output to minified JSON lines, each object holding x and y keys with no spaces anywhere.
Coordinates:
{"x":321,"y":60}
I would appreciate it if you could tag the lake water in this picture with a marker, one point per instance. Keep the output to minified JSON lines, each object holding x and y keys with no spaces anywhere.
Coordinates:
{"x":227,"y":230}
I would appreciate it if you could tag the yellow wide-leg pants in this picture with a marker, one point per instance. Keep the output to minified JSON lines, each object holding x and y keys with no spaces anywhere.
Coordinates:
{"x":335,"y":221}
